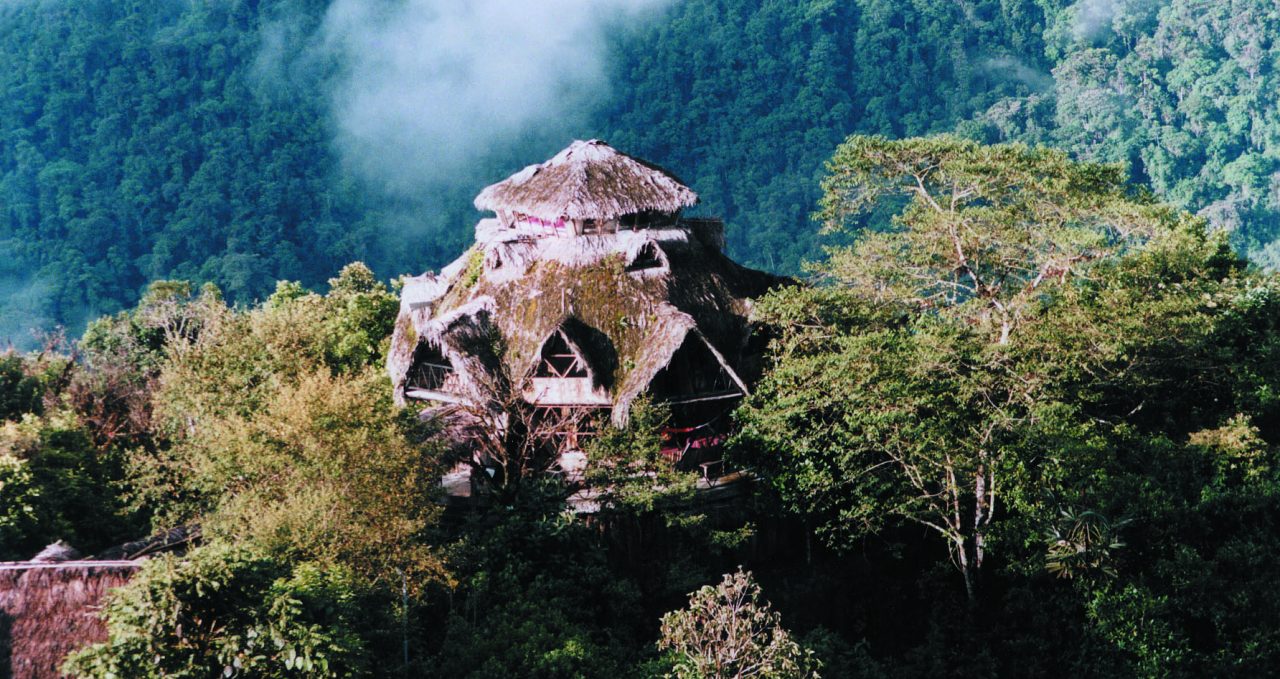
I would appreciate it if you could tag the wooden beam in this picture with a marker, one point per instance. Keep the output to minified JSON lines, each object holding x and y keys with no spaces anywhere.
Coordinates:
{"x":723,"y":396}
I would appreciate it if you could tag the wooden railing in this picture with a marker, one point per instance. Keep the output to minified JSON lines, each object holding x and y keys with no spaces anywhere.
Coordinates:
{"x":428,"y":376}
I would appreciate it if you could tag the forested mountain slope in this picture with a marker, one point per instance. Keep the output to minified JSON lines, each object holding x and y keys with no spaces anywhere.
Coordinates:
{"x":1184,"y":92}
{"x":136,"y":147}
{"x":748,"y":98}
{"x":151,"y":139}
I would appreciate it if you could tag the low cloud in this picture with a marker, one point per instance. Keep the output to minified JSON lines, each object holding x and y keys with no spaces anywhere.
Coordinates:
{"x":24,"y":311}
{"x":1093,"y":17}
{"x":1016,"y":70}
{"x":426,"y":86}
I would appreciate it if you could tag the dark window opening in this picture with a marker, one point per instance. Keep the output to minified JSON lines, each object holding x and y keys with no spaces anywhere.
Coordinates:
{"x":647,"y":220}
{"x":429,"y":369}
{"x":693,"y":372}
{"x":559,"y":359}
{"x":646,"y":258}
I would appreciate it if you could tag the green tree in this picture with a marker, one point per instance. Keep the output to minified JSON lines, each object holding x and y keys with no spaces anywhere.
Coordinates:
{"x":729,"y":632}
{"x":19,"y":392}
{"x":19,"y":518}
{"x":279,"y":430}
{"x":222,"y":611}
{"x":60,"y":486}
{"x":627,"y":468}
{"x":537,"y":596}
{"x":986,"y":230}
{"x":928,"y":402}
{"x":1177,"y":92}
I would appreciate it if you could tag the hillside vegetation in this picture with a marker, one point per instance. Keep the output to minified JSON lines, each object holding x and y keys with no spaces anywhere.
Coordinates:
{"x":149,"y":139}
{"x":1030,"y":431}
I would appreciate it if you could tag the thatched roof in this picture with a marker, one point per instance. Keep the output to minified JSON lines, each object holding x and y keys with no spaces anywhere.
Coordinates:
{"x":55,"y":552}
{"x":49,"y":605}
{"x":588,"y":180}
{"x":48,"y":610}
{"x":510,"y":295}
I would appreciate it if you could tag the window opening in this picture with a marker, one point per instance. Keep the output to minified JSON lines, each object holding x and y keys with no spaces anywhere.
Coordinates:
{"x":559,"y":359}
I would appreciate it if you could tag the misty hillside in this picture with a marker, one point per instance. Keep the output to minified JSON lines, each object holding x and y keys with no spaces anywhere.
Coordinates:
{"x":1013,"y":409}
{"x":246,"y":142}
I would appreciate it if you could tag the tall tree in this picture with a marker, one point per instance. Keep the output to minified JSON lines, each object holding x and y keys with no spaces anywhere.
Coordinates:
{"x":985,"y":229}
{"x":898,"y":389}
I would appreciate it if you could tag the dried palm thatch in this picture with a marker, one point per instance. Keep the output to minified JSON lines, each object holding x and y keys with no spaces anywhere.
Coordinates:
{"x":48,"y":610}
{"x":58,"y":551}
{"x":639,"y":296}
{"x":588,"y":180}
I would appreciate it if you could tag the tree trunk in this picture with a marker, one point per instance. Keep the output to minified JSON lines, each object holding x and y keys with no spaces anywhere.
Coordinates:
{"x":973,"y":546}
{"x":971,"y":566}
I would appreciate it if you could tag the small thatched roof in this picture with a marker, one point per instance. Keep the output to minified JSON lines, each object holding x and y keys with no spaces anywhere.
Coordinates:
{"x":48,"y":610}
{"x":49,"y":605}
{"x":588,"y":180}
{"x":58,"y":551}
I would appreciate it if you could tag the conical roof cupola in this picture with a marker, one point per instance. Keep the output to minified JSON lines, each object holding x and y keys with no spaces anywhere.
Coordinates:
{"x":589,"y":180}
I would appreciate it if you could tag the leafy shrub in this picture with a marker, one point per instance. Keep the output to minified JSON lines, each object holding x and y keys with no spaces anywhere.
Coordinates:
{"x":223,"y":611}
{"x":729,"y":632}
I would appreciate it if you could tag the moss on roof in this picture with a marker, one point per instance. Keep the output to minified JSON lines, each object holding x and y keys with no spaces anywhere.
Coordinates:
{"x":526,"y":291}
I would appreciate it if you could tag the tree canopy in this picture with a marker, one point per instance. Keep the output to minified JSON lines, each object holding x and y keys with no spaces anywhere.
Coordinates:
{"x":147,"y":140}
{"x":1019,"y":319}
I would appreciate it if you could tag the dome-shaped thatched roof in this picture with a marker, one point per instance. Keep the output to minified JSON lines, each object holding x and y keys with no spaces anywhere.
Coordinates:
{"x":588,"y":180}
{"x":627,"y":318}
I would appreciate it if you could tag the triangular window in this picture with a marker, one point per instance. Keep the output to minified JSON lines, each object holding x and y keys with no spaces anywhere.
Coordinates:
{"x":693,"y":371}
{"x":647,"y":257}
{"x":559,"y":359}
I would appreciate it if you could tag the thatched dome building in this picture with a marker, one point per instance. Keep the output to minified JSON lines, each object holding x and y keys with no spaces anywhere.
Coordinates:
{"x":585,"y":318}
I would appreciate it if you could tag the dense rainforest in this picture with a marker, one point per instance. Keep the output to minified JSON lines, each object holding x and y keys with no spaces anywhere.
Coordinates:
{"x":1019,"y":417}
{"x":153,"y":139}
{"x":1031,"y":430}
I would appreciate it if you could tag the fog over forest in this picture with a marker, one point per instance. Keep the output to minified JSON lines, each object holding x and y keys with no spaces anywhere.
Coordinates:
{"x":799,"y":339}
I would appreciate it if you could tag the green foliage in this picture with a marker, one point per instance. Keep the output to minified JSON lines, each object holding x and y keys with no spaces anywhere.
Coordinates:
{"x":1084,"y":544}
{"x":59,"y":485}
{"x":147,"y":140}
{"x":222,"y":611}
{"x":19,"y":516}
{"x":746,"y":99}
{"x":1177,"y":91}
{"x":273,"y":429}
{"x":281,"y":434}
{"x":62,"y":472}
{"x":238,"y":356}
{"x":1141,"y":386}
{"x":902,"y":391}
{"x":182,"y":149}
{"x":136,"y":340}
{"x":475,"y":266}
{"x":362,"y":316}
{"x":327,"y":470}
{"x":985,"y":230}
{"x":627,"y":467}
{"x":20,"y":392}
{"x":729,"y":632}
{"x":536,"y":597}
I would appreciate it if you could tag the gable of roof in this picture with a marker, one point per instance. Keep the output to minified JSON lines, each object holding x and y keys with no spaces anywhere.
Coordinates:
{"x":626,"y":327}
